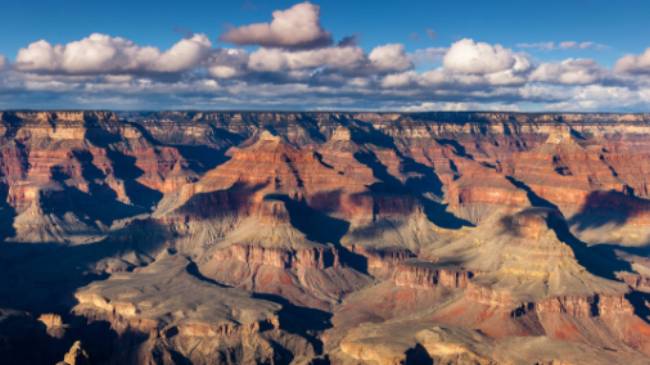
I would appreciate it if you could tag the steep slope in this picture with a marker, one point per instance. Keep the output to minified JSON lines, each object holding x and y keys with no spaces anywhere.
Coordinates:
{"x":360,"y":238}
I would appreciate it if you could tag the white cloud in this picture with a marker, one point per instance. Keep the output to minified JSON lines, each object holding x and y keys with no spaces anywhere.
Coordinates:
{"x":470,"y":63}
{"x":399,"y":80}
{"x":599,"y":97}
{"x":274,"y":60}
{"x":390,"y":57}
{"x":459,"y":106}
{"x":468,"y":56}
{"x":468,"y":75}
{"x":184,"y":55}
{"x":223,"y":72}
{"x":100,"y":53}
{"x":570,"y":71}
{"x":228,"y":63}
{"x":296,"y":27}
{"x":634,"y":64}
{"x":39,"y":56}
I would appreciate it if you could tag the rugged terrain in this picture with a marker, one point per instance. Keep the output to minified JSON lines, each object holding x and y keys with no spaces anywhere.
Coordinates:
{"x":315,"y":238}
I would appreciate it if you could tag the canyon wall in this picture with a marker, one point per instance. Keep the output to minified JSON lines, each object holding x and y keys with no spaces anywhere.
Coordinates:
{"x":325,"y":237}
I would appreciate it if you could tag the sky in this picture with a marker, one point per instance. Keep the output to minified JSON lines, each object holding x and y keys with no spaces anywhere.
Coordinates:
{"x":571,"y":55}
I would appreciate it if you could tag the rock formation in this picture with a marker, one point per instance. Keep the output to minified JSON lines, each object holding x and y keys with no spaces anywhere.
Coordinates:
{"x":309,"y":238}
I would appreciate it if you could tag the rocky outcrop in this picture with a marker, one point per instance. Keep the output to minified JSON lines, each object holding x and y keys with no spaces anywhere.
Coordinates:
{"x":243,"y":237}
{"x":172,"y":306}
{"x":76,"y":356}
{"x":591,"y":306}
{"x":305,"y":258}
{"x":54,"y":324}
{"x":428,"y":275}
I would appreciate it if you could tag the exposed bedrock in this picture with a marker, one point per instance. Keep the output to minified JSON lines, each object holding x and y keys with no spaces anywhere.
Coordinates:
{"x":348,"y":238}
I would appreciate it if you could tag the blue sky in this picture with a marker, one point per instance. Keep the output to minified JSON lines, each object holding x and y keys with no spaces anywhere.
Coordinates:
{"x":622,"y":25}
{"x":602,"y":32}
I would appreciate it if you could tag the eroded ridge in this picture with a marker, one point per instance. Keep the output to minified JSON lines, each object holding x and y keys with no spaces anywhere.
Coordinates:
{"x":308,"y":238}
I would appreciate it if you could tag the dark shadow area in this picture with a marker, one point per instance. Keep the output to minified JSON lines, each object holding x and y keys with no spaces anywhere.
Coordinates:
{"x":201,"y":157}
{"x":389,"y":183}
{"x":179,"y":359}
{"x":303,"y":321}
{"x":418,"y":355}
{"x":641,"y":303}
{"x":317,"y":226}
{"x":365,"y":133}
{"x":281,"y":356}
{"x":534,"y":199}
{"x":428,"y":182}
{"x":100,"y":341}
{"x":24,"y":340}
{"x":600,"y":260}
{"x":42,"y":278}
{"x":319,"y":158}
{"x":560,"y":167}
{"x":321,"y":228}
{"x":326,"y":201}
{"x":100,"y":137}
{"x":372,"y":230}
{"x":294,"y":171}
{"x":458,"y":148}
{"x":220,"y":203}
{"x":608,"y":207}
{"x":310,"y":124}
{"x":124,"y":168}
{"x":193,"y":270}
{"x":12,"y":124}
{"x":513,"y":224}
{"x":99,"y":203}
{"x":7,"y":215}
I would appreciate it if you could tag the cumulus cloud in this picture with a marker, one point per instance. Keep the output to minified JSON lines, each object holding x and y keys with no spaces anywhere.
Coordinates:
{"x":106,"y":71}
{"x":275,"y":60}
{"x":570,"y":71}
{"x":634,"y":64}
{"x":228,"y":63}
{"x":399,"y":80}
{"x":468,"y":56}
{"x":477,"y":64}
{"x":184,"y":55}
{"x":390,"y":57}
{"x":101,"y":53}
{"x":599,"y":97}
{"x":296,"y":27}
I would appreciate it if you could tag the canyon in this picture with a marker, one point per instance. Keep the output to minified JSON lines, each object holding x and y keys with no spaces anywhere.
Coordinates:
{"x":189,"y":237}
